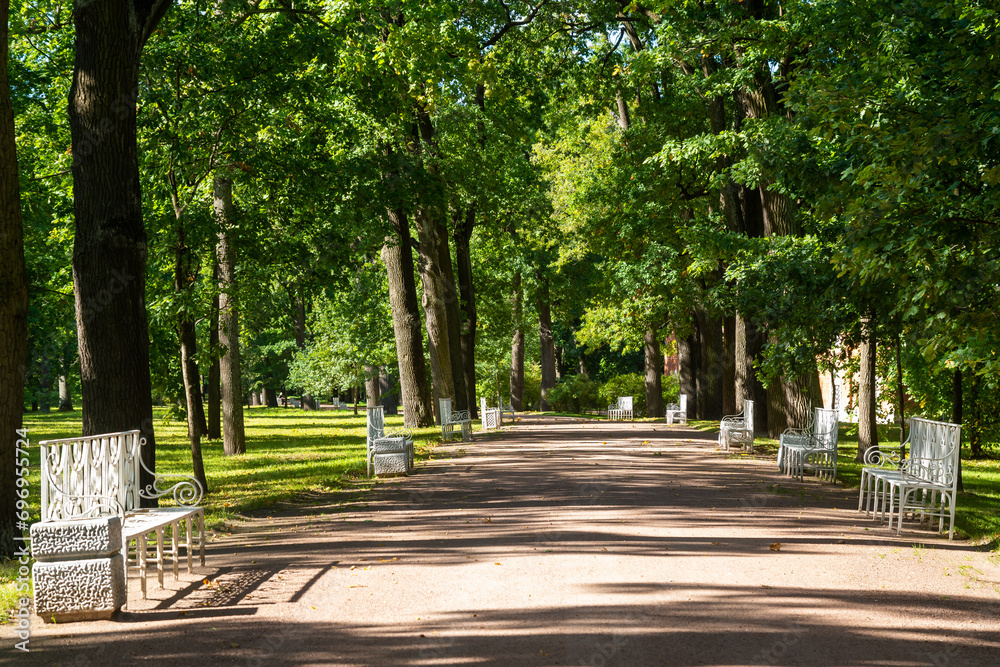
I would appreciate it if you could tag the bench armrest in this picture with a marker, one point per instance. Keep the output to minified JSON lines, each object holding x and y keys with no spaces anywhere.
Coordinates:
{"x":887,"y":457}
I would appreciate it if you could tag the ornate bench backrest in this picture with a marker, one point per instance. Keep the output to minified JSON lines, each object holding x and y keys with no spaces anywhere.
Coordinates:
{"x":824,"y":427}
{"x":934,"y":451}
{"x":444,"y":410}
{"x":683,"y":400}
{"x":99,"y":474}
{"x":376,"y":422}
{"x":748,"y":413}
{"x":625,"y":402}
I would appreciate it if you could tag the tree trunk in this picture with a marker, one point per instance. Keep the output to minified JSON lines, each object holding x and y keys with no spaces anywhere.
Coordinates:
{"x":214,"y":372}
{"x":435,"y":309}
{"x":956,"y":415}
{"x":900,"y":402}
{"x":517,"y":345}
{"x":729,"y":365}
{"x":371,"y":386}
{"x":189,"y":371}
{"x":975,"y":423}
{"x":233,"y":433}
{"x":654,"y":373}
{"x":188,"y":340}
{"x":398,"y":259}
{"x":748,"y":346}
{"x":13,"y":313}
{"x":777,"y":413}
{"x":688,"y":358}
{"x":802,"y":393}
{"x":710,"y":370}
{"x":547,"y":356}
{"x":298,"y":305}
{"x":388,"y":391}
{"x":867,"y":427}
{"x":65,"y":397}
{"x":270,"y":395}
{"x":109,"y":250}
{"x":467,"y":294}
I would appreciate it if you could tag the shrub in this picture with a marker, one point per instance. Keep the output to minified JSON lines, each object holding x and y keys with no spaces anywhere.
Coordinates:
{"x":634,"y":385}
{"x":575,"y":393}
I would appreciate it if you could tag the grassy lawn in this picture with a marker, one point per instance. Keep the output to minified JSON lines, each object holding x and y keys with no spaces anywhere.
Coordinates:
{"x":292,"y":456}
{"x":978,"y":511}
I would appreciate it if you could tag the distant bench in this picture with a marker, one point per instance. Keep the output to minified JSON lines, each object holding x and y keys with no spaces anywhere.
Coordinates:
{"x":88,"y":476}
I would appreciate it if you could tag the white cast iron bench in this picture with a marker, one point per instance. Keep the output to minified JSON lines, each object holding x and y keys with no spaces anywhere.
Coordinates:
{"x":452,"y":418}
{"x":92,"y":475}
{"x":622,"y":410}
{"x":738,"y":429}
{"x":812,"y":448}
{"x":389,"y":452}
{"x":924,"y":484}
{"x":678,"y":411}
{"x":489,"y":417}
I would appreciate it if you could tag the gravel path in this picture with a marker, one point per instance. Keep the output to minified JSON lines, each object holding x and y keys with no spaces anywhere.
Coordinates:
{"x":559,"y":542}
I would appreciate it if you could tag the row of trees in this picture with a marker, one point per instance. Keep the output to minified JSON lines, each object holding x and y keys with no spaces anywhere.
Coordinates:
{"x":274,"y":196}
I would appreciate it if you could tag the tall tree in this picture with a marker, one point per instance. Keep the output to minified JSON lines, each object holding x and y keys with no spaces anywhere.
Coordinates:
{"x":110,"y":246}
{"x":233,"y":433}
{"x":13,"y":307}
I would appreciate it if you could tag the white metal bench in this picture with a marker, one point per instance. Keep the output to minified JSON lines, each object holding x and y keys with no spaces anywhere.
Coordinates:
{"x":489,"y":417}
{"x":678,"y":411}
{"x":812,"y":448}
{"x":389,"y":452}
{"x":92,"y":475}
{"x":924,"y":484}
{"x":622,"y":410}
{"x":506,"y":409}
{"x":452,"y":418}
{"x":737,"y":429}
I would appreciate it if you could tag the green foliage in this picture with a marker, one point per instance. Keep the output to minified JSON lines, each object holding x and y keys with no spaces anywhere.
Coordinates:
{"x":630,"y":384}
{"x":575,"y":393}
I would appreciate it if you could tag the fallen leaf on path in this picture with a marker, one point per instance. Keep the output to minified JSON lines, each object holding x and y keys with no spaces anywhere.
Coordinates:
{"x":496,"y":563}
{"x":776,"y":546}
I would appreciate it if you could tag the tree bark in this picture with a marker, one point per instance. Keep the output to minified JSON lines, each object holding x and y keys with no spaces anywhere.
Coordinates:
{"x":398,"y":259}
{"x":688,"y":358}
{"x":188,"y":340}
{"x":109,"y":250}
{"x":548,"y":355}
{"x":13,"y":311}
{"x":388,"y":391}
{"x":214,"y":372}
{"x":654,"y":373}
{"x":710,"y":369}
{"x":467,"y":295}
{"x":956,"y":415}
{"x":975,"y":423}
{"x":230,"y":366}
{"x":189,"y":370}
{"x":270,"y":395}
{"x":867,"y":427}
{"x":749,"y":344}
{"x":517,"y":345}
{"x":435,"y":309}
{"x":371,"y":386}
{"x":65,"y":397}
{"x":729,"y":365}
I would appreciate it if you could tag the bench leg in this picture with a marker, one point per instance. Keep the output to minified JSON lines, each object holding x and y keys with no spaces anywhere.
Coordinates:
{"x":190,"y":532}
{"x":175,"y":545}
{"x":159,"y":556}
{"x":141,"y":546}
{"x":201,"y":534}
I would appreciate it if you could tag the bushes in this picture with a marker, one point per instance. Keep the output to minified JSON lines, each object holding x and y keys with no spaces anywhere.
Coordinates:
{"x":575,"y":393}
{"x":630,"y":384}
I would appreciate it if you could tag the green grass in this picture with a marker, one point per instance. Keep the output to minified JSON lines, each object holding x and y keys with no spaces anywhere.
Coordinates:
{"x":977,"y":515}
{"x":292,"y":458}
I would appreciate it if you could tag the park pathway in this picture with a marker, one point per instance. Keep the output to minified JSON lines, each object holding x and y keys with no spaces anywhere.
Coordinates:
{"x":562,"y":542}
